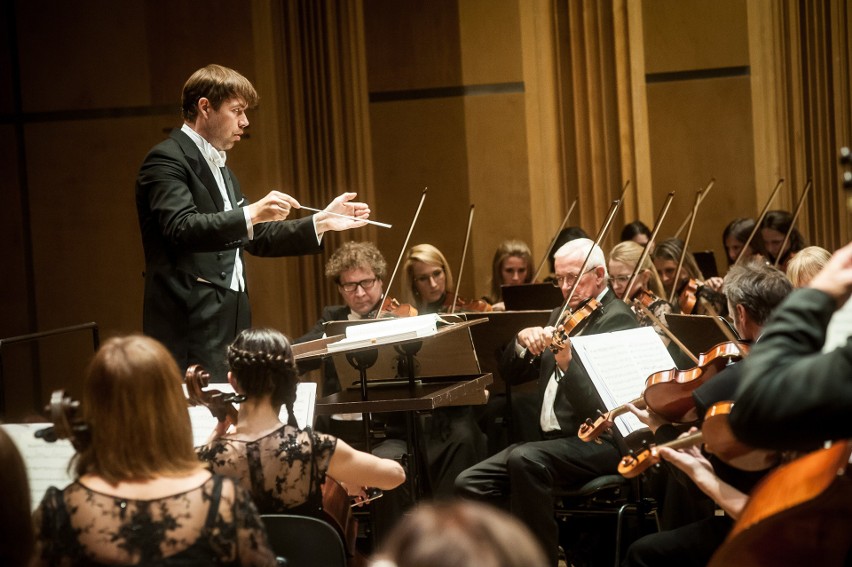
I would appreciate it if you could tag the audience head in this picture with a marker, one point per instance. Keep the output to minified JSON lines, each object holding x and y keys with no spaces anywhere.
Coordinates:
{"x":217,"y":84}
{"x":262,"y":366}
{"x":666,"y":256}
{"x":512,"y":265}
{"x":569,"y":261}
{"x":754,"y":289}
{"x":134,"y":405}
{"x":622,"y":261}
{"x":427,"y":274}
{"x":807,"y":263}
{"x":358,"y":269}
{"x":18,"y":541}
{"x":567,"y":234}
{"x":637,"y":231}
{"x":774,"y":228}
{"x":459,"y":534}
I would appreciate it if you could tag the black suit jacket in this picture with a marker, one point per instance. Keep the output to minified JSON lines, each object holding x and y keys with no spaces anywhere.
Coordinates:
{"x":187,"y":235}
{"x":331,"y":383}
{"x":576,"y":397}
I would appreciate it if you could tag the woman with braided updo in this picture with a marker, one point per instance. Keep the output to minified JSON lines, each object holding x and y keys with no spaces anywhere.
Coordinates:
{"x":282,"y":466}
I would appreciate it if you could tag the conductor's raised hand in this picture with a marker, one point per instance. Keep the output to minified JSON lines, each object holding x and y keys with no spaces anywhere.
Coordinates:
{"x":276,"y":206}
{"x":345,"y":212}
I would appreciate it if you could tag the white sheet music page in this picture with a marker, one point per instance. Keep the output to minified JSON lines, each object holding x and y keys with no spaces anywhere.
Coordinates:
{"x":203,"y":421}
{"x":47,"y":463}
{"x":619,"y":363}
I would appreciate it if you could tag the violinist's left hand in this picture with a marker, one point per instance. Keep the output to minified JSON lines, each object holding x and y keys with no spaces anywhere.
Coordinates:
{"x":715,"y":283}
{"x":691,"y":461}
{"x":342,"y":205}
{"x":648,"y":417}
{"x":358,"y":493}
{"x":563,"y":356}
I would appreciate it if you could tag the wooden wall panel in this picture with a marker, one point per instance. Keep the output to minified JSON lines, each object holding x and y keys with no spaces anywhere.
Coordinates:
{"x":701,"y":129}
{"x":14,"y":236}
{"x":684,"y":35}
{"x":490,"y":37}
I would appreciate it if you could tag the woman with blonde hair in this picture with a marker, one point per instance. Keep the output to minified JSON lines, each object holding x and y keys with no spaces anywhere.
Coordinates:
{"x":428,"y":278}
{"x":140,"y":495}
{"x":512,"y":265}
{"x":802,"y":267}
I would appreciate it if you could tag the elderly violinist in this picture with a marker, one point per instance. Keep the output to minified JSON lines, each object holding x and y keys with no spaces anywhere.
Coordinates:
{"x":524,"y":475}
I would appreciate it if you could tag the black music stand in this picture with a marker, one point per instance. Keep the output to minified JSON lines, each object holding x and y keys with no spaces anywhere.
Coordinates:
{"x":699,"y":333}
{"x":391,"y":391}
{"x":530,"y":297}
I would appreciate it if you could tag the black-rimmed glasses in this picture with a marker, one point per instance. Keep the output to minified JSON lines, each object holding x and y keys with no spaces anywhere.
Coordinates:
{"x":350,"y":287}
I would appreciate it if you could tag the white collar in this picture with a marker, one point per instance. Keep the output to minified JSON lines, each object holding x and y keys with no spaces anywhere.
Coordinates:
{"x":210,"y":153}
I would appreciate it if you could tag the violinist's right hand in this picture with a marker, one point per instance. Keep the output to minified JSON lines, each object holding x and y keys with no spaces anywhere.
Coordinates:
{"x":535,"y":339}
{"x":648,"y":417}
{"x":275,"y":206}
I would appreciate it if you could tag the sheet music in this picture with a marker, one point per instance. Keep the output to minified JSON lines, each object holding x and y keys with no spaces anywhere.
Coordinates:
{"x":203,"y":421}
{"x":47,"y":463}
{"x":619,"y":363}
{"x":387,"y":331}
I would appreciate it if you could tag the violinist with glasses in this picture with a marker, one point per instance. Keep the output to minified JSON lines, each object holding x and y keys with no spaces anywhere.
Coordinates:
{"x":524,"y":476}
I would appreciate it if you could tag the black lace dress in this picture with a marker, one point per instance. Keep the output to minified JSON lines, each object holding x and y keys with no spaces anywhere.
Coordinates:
{"x":213,"y":524}
{"x":284,"y":470}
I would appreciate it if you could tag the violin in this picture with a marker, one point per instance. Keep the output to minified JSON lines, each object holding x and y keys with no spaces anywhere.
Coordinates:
{"x":718,"y":439}
{"x":393,"y":308}
{"x":461,"y":304}
{"x":592,"y":430}
{"x":573,"y":322}
{"x":668,"y":393}
{"x":688,"y":296}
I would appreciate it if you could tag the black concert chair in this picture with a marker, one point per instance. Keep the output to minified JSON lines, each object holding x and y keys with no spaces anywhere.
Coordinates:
{"x":303,"y":541}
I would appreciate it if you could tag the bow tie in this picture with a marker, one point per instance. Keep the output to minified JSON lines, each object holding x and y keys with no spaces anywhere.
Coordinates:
{"x":214,"y":155}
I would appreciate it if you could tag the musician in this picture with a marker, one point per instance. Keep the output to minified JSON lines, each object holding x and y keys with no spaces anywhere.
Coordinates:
{"x":666,"y":255}
{"x":525,"y":474}
{"x":791,"y":395}
{"x":565,"y":235}
{"x":636,"y":231}
{"x":196,"y":223}
{"x":622,"y":262}
{"x":735,"y":236}
{"x":282,"y":466}
{"x":753,"y":291}
{"x":773,"y":230}
{"x":358,"y":270}
{"x":802,"y":267}
{"x":512,"y":265}
{"x":140,"y":495}
{"x":18,"y":541}
{"x":459,"y":534}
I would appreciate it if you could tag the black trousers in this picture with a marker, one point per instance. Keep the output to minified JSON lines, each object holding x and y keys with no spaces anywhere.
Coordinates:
{"x":691,"y":545}
{"x":216,"y":317}
{"x":523,"y":478}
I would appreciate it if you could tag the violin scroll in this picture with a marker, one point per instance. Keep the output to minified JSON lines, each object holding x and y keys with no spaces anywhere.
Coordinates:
{"x":220,"y":404}
{"x":64,"y":413}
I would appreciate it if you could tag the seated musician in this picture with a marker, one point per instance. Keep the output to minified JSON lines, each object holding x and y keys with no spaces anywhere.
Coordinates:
{"x":753,"y":290}
{"x":512,"y":265}
{"x":622,"y":263}
{"x":802,"y":268}
{"x":666,"y":256}
{"x":636,"y":231}
{"x":140,"y":496}
{"x":525,"y":475}
{"x":773,"y":230}
{"x":282,"y":466}
{"x":429,"y":283}
{"x":792,"y":396}
{"x":18,"y":541}
{"x":358,"y":269}
{"x":735,"y":236}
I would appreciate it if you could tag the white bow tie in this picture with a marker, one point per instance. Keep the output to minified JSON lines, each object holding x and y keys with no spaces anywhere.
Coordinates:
{"x":214,"y":155}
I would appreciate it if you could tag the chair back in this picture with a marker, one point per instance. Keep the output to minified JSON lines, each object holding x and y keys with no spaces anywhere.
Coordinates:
{"x":303,"y":541}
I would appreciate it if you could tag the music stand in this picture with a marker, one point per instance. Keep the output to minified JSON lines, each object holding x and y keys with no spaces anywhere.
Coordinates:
{"x":530,"y":297}
{"x":699,"y":333}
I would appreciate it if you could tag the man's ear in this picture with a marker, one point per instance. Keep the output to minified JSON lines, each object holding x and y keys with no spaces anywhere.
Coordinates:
{"x":204,"y":107}
{"x":741,"y":315}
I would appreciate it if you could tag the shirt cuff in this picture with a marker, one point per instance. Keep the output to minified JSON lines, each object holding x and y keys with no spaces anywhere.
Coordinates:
{"x":249,"y":226}
{"x":319,"y":236}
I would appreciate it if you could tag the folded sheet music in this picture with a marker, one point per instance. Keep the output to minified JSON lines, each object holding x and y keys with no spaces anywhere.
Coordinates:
{"x":619,"y":363}
{"x":387,"y":331}
{"x":47,"y":463}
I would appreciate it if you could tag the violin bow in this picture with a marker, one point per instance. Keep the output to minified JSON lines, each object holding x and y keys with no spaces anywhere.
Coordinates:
{"x":662,"y":326}
{"x":464,"y":254}
{"x":401,"y":253}
{"x":759,"y":221}
{"x":697,"y":204}
{"x":553,"y":240}
{"x":704,"y":193}
{"x":638,"y":268}
{"x":613,"y":209}
{"x":793,"y":221}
